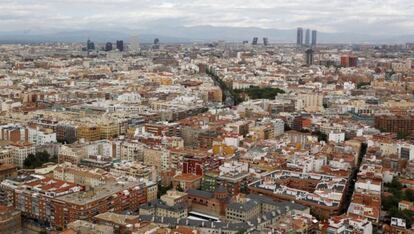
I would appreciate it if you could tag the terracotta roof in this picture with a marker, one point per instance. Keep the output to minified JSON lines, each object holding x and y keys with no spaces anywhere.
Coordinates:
{"x":187,"y":177}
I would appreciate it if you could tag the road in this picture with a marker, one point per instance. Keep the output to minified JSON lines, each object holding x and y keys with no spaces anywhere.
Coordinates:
{"x":230,"y":98}
{"x":352,"y":179}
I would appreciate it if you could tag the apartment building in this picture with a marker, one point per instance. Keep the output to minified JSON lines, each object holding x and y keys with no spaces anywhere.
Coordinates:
{"x":85,"y":205}
{"x":82,"y":176}
{"x":243,"y":210}
{"x":10,"y":220}
{"x":161,"y":209}
{"x":34,"y":198}
{"x":7,"y":171}
{"x":88,"y":132}
{"x":6,"y":155}
{"x":324,"y":194}
{"x":20,"y":151}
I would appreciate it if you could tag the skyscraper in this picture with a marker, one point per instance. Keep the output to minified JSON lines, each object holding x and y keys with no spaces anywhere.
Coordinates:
{"x":255,"y":40}
{"x":90,"y":45}
{"x":314,"y":32}
{"x":307,"y":37}
{"x":133,"y":44}
{"x":309,"y":57}
{"x":156,"y":43}
{"x":108,"y":46}
{"x":265,"y":41}
{"x":120,"y":45}
{"x":299,"y":36}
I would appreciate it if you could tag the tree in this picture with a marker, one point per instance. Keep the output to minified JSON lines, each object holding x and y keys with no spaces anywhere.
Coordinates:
{"x":409,"y":195}
{"x":321,"y":136}
{"x":401,"y":135}
{"x":390,"y":203}
{"x":179,"y":188}
{"x":395,"y":184}
{"x":163,"y":190}
{"x":255,"y":92}
{"x":37,"y":160}
{"x":362,"y":84}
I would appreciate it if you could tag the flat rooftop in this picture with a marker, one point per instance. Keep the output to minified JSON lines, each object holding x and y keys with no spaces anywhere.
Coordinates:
{"x":101,"y":192}
{"x":327,"y":190}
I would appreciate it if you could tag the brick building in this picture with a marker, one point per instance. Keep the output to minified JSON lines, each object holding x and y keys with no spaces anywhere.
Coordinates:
{"x":10,"y":220}
{"x":7,"y":171}
{"x":34,"y":198}
{"x":85,"y":205}
{"x":211,"y":203}
{"x":395,"y":123}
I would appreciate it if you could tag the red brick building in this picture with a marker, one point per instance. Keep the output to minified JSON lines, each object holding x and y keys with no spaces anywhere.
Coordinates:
{"x":214,"y":204}
{"x":34,"y":198}
{"x":187,"y":181}
{"x":85,"y":205}
{"x":7,"y":171}
{"x":349,"y":61}
{"x":395,"y":123}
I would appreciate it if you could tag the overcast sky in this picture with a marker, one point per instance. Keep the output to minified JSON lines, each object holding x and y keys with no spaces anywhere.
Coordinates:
{"x":359,"y":16}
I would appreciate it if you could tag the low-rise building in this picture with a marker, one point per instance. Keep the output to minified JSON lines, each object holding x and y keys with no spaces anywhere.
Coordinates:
{"x":187,"y":181}
{"x":161,"y":209}
{"x":173,"y":197}
{"x":324,"y":194}
{"x":82,"y":176}
{"x":346,"y":224}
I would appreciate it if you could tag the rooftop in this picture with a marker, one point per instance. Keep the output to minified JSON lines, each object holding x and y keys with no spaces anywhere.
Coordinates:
{"x":99,"y":193}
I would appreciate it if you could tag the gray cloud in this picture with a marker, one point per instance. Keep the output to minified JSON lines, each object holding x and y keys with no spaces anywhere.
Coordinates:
{"x":360,"y":16}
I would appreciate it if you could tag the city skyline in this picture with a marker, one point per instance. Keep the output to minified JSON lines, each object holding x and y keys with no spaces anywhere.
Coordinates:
{"x":383,"y":17}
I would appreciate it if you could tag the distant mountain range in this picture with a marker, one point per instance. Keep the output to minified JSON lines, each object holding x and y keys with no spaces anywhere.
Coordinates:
{"x":195,"y":34}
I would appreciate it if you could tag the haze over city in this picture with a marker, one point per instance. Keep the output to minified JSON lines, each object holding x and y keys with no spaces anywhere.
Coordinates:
{"x":355,"y":21}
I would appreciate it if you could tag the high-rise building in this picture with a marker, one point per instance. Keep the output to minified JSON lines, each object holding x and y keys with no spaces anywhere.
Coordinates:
{"x":307,"y":37}
{"x":255,"y":40}
{"x":156,"y":43}
{"x":309,"y":56}
{"x":120,"y":45}
{"x":90,"y":45}
{"x":349,"y":61}
{"x":299,"y":36}
{"x":108,"y":46}
{"x":265,"y":41}
{"x":314,"y":34}
{"x":134,"y":44}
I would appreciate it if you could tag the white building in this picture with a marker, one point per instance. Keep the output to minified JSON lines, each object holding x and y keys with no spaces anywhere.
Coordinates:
{"x":336,"y":137}
{"x":20,"y":153}
{"x":309,"y":102}
{"x":279,"y":127}
{"x":131,"y":150}
{"x":134,"y":44}
{"x":102,"y":148}
{"x":349,"y":225}
{"x":41,"y":137}
{"x":405,"y":151}
{"x":367,"y":186}
{"x":233,"y":167}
